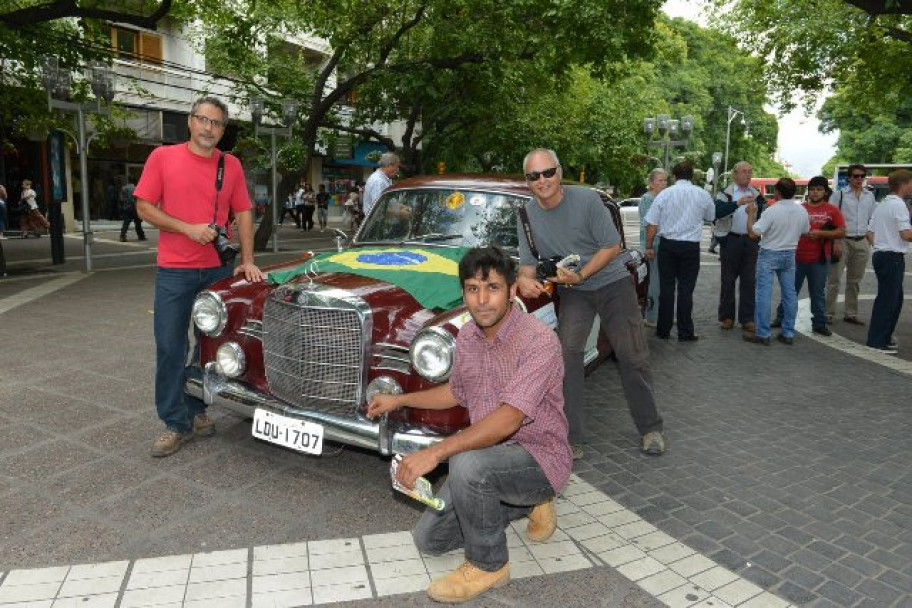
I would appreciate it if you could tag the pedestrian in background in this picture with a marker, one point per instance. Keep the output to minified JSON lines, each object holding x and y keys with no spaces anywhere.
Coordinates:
{"x":128,"y":209}
{"x":30,"y":219}
{"x":890,"y":232}
{"x":3,"y":197}
{"x":779,"y":230}
{"x":380,"y":180}
{"x":856,"y":205}
{"x":322,"y":207}
{"x":188,"y":191}
{"x":308,"y":206}
{"x":739,"y":251}
{"x":288,"y":209}
{"x":677,"y":217}
{"x":657,"y":181}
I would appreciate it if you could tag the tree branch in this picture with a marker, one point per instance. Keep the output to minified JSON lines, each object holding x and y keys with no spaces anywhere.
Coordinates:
{"x":897,"y":34}
{"x":386,"y":141}
{"x":59,"y":9}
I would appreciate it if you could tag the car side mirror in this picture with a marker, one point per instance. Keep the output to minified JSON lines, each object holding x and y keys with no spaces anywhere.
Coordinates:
{"x":341,"y":239}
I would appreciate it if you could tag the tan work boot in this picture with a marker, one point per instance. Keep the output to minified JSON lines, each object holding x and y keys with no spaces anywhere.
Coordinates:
{"x":467,"y":582}
{"x":203,"y":425}
{"x":169,"y":442}
{"x":727,"y":324}
{"x":542,"y":521}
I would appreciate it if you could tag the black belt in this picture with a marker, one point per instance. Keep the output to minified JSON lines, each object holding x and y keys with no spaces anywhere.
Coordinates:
{"x":736,"y":234}
{"x":855,"y":238}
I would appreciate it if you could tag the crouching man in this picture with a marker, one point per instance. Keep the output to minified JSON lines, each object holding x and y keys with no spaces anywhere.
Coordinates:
{"x":515,"y":456}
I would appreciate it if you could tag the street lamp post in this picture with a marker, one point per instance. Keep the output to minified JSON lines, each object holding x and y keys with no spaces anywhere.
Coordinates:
{"x":717,"y":177}
{"x":732,"y":114}
{"x":289,"y":114}
{"x":668,"y":130}
{"x":57,"y":82}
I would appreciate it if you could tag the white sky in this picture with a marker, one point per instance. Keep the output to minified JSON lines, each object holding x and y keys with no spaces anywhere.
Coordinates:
{"x":801,"y":145}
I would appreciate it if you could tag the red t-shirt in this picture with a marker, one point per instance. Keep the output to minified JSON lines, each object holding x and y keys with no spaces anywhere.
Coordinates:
{"x":182,"y":184}
{"x":809,"y":250}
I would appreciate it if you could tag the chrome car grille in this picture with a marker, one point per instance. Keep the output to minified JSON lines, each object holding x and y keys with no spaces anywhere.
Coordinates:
{"x":313,"y":348}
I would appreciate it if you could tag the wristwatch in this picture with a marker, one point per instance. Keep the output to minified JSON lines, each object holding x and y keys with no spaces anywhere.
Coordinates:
{"x":582,"y":279}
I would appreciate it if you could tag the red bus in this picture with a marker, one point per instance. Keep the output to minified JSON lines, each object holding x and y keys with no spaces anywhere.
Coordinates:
{"x":765,"y":186}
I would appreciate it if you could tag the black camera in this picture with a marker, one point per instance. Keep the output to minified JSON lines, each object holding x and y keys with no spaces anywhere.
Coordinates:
{"x":547,"y":267}
{"x":223,"y":245}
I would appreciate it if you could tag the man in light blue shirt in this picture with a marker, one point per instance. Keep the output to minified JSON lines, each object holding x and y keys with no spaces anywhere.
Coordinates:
{"x":380,"y":180}
{"x":677,"y":217}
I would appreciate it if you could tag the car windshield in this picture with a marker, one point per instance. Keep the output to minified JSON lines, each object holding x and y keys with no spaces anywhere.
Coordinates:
{"x":455,"y":217}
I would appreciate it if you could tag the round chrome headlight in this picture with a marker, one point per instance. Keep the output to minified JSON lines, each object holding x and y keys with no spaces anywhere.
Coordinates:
{"x":384,"y":385}
{"x":209,"y":313}
{"x":230,"y":359}
{"x":432,"y":352}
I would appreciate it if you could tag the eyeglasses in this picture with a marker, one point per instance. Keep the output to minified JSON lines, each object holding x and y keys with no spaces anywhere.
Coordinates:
{"x":859,"y":175}
{"x":547,"y":173}
{"x":210,"y":122}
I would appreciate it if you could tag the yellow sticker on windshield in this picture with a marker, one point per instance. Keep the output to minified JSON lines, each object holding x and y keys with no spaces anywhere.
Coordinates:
{"x":455,"y":201}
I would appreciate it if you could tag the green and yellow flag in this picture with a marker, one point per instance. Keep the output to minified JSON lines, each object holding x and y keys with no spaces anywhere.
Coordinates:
{"x":431,"y":276}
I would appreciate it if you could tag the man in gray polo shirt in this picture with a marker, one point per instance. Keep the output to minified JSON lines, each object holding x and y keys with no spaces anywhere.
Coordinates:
{"x":572,"y":219}
{"x":779,"y":230}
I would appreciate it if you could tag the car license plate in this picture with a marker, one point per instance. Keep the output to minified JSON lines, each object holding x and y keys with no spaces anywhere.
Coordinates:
{"x":291,"y":433}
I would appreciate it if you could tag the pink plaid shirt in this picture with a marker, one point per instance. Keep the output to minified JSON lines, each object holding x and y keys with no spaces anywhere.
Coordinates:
{"x":522,"y":367}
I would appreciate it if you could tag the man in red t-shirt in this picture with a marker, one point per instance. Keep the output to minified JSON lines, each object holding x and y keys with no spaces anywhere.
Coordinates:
{"x":815,"y":250}
{"x":178,"y":194}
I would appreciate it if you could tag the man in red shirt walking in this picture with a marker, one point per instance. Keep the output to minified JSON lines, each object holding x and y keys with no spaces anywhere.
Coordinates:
{"x":815,"y":251}
{"x":186,"y":191}
{"x":515,"y":456}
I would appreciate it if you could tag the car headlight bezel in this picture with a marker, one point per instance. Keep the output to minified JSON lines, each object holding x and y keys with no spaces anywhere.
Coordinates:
{"x":231,"y":359}
{"x":210,"y":303}
{"x":445,"y":344}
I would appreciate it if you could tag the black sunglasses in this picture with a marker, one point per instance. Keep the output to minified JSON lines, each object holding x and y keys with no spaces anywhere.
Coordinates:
{"x":859,"y":175}
{"x":548,"y":173}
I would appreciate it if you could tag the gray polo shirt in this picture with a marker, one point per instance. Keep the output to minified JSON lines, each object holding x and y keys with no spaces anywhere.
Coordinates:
{"x":579,"y":224}
{"x":781,"y":225}
{"x":856,"y":210}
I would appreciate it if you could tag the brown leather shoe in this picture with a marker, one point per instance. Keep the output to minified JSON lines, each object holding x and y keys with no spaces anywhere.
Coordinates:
{"x":203,"y":425}
{"x":727,"y":324}
{"x":853,"y":320}
{"x":467,"y":582}
{"x":749,"y":327}
{"x":542,"y":522}
{"x":169,"y":442}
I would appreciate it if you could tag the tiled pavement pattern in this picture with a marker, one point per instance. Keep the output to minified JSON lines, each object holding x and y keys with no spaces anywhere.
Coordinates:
{"x":595,"y":532}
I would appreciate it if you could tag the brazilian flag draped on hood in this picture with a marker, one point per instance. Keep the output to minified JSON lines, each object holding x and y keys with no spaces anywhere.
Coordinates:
{"x":431,"y":276}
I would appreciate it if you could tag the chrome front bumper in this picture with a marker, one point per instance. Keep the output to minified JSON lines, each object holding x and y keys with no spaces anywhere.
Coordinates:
{"x":215,"y":389}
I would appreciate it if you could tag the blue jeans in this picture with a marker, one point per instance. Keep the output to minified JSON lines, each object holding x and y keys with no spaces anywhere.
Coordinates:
{"x":782,"y":264}
{"x":175,"y":291}
{"x":890,"y":267}
{"x":485,"y":490}
{"x":816,"y":274}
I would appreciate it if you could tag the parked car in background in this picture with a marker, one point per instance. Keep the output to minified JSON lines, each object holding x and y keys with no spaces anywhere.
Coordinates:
{"x":303,"y":353}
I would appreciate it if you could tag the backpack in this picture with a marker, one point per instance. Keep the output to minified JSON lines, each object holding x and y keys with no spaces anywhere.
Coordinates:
{"x":128,"y":201}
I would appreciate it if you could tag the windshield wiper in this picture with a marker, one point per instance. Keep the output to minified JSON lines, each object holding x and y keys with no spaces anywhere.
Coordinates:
{"x":436,"y":236}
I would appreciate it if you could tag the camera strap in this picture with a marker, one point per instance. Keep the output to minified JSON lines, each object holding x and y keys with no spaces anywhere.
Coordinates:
{"x":527,"y":228}
{"x":219,"y":174}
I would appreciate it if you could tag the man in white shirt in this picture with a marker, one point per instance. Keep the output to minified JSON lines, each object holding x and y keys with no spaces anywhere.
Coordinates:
{"x":677,"y":216}
{"x":739,"y":251}
{"x":856,"y":204}
{"x":889,"y":232}
{"x":781,"y":226}
{"x":380,"y":180}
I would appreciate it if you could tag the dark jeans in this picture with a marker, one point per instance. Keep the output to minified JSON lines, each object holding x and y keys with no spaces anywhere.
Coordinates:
{"x":679,"y":265}
{"x":299,"y":215}
{"x":307,"y":222}
{"x":816,"y":274}
{"x":175,"y":291}
{"x":130,"y":215}
{"x":485,"y":490}
{"x":890,"y":267}
{"x":619,"y":313}
{"x":739,"y":264}
{"x":288,"y":211}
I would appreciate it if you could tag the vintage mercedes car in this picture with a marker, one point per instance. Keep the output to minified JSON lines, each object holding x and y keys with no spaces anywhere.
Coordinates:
{"x":303,"y":353}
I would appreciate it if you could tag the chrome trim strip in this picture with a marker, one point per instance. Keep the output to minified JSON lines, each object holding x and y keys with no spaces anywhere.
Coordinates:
{"x":252,"y":328}
{"x":217,"y":390}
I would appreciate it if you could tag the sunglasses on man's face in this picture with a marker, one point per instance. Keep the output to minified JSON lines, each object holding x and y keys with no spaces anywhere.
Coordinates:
{"x":547,"y":173}
{"x":859,"y":175}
